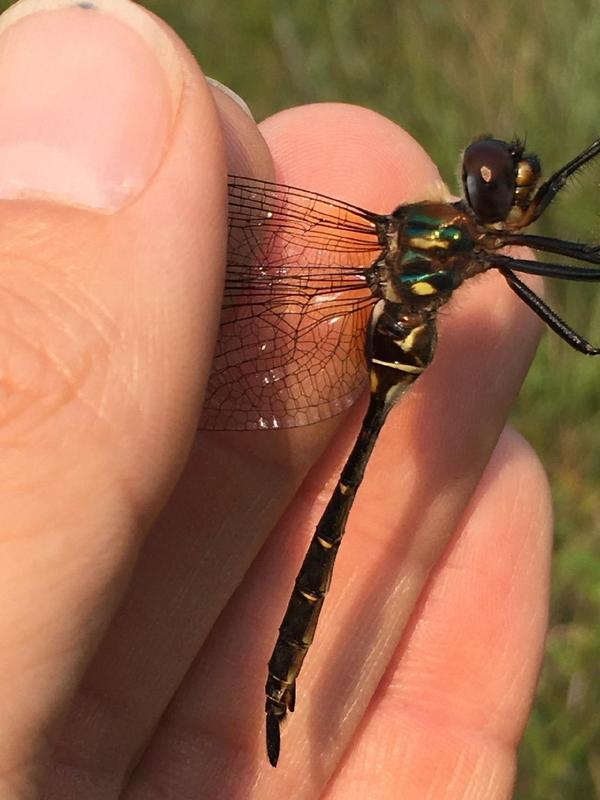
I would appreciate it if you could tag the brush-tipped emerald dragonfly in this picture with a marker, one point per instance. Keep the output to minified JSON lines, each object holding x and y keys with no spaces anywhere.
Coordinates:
{"x":323,"y":297}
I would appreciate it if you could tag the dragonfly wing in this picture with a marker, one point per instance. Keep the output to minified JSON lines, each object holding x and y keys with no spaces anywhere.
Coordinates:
{"x":296,"y":305}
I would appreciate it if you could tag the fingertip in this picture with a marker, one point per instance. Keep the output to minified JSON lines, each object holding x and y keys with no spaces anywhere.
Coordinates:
{"x":348,"y":152}
{"x":526,"y":477}
{"x":246,"y":151}
{"x":333,"y":148}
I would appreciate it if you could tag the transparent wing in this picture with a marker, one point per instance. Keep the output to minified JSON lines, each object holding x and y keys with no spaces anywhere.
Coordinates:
{"x":296,"y":306}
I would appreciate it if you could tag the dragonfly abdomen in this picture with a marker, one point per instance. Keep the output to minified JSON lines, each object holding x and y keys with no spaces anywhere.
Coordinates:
{"x":398,"y":351}
{"x":297,"y":630}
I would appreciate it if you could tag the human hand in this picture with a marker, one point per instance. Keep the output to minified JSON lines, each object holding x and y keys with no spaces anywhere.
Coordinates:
{"x":138,"y":612}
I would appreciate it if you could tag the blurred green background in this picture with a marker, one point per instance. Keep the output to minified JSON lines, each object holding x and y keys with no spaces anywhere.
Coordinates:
{"x":446,"y":71}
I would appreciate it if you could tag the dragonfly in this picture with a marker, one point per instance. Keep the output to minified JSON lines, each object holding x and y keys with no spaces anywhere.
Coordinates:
{"x":323,"y":298}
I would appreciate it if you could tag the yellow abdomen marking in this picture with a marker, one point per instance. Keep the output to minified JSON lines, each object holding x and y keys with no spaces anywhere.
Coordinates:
{"x":401,"y":367}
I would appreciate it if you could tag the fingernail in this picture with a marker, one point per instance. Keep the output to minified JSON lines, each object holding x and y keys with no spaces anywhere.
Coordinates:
{"x":231,"y":94}
{"x":88,"y":95}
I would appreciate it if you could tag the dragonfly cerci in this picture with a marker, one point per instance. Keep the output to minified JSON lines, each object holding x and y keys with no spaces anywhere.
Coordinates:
{"x":323,"y":298}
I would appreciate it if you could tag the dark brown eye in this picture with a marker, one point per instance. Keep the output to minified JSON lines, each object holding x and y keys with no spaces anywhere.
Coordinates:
{"x":489,"y":179}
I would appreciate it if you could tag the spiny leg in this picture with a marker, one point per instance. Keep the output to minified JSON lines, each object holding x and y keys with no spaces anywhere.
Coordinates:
{"x":589,"y":253}
{"x":549,"y":316}
{"x":548,"y":190}
{"x":547,"y":269}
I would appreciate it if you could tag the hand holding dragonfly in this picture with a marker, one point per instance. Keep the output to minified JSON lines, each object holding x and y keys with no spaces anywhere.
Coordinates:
{"x":138,"y":647}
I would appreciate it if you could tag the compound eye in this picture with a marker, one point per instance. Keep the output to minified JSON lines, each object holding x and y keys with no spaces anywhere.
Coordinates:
{"x":489,"y":179}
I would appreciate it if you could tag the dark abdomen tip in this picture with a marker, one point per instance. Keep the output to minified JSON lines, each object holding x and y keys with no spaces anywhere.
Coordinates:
{"x":273,"y":739}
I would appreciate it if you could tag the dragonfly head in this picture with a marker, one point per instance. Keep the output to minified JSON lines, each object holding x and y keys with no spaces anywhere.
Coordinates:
{"x":499,"y":180}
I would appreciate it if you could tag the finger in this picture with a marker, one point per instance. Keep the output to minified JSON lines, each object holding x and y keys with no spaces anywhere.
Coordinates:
{"x":448,"y":714}
{"x":221,"y":701}
{"x":158,"y":628}
{"x":104,"y":355}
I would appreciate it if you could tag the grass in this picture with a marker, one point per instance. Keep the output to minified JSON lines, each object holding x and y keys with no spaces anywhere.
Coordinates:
{"x":447,"y":71}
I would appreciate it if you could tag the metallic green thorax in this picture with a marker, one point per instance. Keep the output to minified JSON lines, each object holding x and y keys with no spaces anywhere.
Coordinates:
{"x":430,"y":256}
{"x":438,"y":232}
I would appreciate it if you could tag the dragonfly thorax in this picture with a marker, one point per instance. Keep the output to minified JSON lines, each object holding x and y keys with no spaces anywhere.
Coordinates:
{"x":433,"y":247}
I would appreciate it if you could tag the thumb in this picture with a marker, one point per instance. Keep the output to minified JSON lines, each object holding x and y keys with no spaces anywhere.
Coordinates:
{"x":112,"y":237}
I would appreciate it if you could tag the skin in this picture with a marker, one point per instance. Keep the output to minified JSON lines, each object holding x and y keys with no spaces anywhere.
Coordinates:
{"x":145,"y":567}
